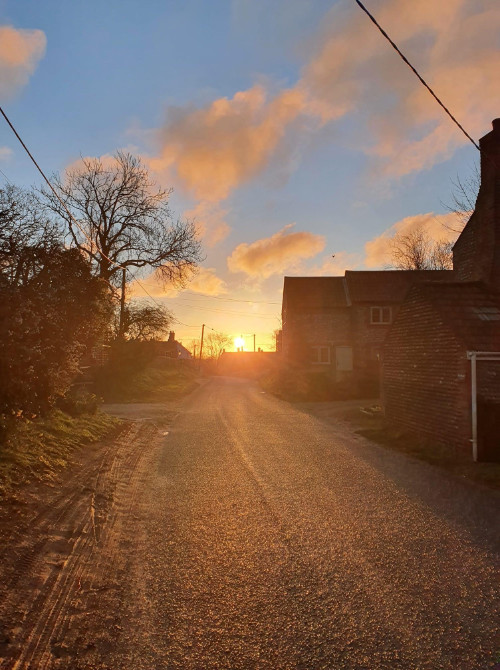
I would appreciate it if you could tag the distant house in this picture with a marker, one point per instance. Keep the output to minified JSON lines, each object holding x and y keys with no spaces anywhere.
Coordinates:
{"x":441,"y":362}
{"x":245,"y":363}
{"x":338,"y":325}
{"x":172,"y":349}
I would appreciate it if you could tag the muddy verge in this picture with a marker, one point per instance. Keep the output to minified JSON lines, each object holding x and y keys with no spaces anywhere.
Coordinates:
{"x":63,"y":557}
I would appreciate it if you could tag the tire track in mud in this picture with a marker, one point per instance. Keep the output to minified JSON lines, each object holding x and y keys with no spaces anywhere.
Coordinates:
{"x":72,"y":561}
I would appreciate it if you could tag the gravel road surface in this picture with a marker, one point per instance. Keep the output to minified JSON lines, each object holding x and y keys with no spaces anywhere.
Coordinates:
{"x":233,"y":531}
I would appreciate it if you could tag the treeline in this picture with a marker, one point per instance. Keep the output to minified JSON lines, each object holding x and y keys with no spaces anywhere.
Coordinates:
{"x":52,"y":307}
{"x":65,"y":264}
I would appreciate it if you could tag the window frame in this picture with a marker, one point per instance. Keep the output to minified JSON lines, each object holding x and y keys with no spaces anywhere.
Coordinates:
{"x":318,"y":348}
{"x":380,"y":309}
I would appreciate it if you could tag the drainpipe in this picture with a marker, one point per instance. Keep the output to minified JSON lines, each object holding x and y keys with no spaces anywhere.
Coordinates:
{"x":473,"y":376}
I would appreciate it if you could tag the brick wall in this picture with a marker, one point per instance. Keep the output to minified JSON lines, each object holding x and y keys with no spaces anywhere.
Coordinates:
{"x":303,"y":330}
{"x":426,"y":378}
{"x":488,"y":380}
{"x":476,"y":254}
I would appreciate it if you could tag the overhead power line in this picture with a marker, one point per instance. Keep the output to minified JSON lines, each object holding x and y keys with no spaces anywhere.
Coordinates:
{"x":421,"y":79}
{"x":49,"y":184}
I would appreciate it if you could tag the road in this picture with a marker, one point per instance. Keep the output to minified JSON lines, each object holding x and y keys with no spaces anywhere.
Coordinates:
{"x":233,"y":531}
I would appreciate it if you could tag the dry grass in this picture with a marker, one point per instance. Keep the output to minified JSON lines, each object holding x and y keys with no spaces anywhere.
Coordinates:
{"x":37,"y":450}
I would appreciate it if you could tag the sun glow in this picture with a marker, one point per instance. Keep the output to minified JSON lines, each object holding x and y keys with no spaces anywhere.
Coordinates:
{"x":239,"y":343}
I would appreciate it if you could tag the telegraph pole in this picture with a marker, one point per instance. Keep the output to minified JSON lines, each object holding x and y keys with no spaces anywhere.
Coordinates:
{"x":122,"y":304}
{"x":201,"y":343}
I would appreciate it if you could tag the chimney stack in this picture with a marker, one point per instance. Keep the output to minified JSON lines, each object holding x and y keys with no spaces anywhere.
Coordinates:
{"x":476,"y":254}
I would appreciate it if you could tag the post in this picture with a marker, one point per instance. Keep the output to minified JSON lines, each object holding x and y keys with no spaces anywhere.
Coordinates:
{"x":254,"y":342}
{"x":201,"y":343}
{"x":121,"y":326}
{"x":473,"y":377}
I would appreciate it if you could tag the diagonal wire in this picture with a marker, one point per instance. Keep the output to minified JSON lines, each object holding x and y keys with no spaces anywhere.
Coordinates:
{"x":421,"y":79}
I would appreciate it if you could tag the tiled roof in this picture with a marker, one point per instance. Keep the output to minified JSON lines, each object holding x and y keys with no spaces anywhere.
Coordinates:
{"x":470,"y":309}
{"x":388,"y":285}
{"x":314,"y":293}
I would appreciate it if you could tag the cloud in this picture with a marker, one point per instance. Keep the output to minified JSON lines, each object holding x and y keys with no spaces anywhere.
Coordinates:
{"x":350,"y":71}
{"x":213,"y":150}
{"x":438,"y":226}
{"x":20,"y":51}
{"x":455,"y":47}
{"x":209,"y":219}
{"x":272,"y":255}
{"x":205,"y":281}
{"x":5,"y":153}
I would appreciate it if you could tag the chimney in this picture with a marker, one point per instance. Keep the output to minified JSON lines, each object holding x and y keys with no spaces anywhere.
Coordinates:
{"x":476,"y":254}
{"x":171,"y":336}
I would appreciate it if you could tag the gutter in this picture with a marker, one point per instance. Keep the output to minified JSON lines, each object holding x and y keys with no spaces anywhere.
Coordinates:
{"x":474,"y":357}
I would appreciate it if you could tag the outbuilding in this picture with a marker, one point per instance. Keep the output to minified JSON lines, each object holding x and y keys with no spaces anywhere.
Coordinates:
{"x":441,"y":359}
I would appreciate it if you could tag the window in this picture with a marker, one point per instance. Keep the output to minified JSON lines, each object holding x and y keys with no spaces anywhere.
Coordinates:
{"x":381,"y":315}
{"x":487,"y":313}
{"x":320,"y":355}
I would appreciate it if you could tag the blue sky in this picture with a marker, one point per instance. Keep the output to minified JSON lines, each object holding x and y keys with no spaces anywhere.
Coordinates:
{"x":289,"y":129}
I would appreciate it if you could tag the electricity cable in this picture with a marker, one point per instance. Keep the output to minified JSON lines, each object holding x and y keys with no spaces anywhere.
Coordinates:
{"x":49,"y":184}
{"x":421,"y":79}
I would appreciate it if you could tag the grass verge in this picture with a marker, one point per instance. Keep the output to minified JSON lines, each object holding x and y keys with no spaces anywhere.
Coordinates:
{"x":152,"y":384}
{"x":37,"y":450}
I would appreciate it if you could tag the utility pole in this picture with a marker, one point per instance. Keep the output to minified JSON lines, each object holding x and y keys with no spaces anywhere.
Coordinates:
{"x":121,"y":326}
{"x":201,"y":343}
{"x":254,"y":343}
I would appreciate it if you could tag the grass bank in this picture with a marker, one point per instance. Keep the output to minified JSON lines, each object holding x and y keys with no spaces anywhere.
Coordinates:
{"x":153,"y":383}
{"x":38,"y":449}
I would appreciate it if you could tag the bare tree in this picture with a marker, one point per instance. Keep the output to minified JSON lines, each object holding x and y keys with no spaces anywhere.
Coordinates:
{"x":25,"y":233}
{"x":123,"y":219}
{"x":144,"y":322}
{"x":417,"y":250}
{"x":464,"y":197}
{"x":216,"y":344}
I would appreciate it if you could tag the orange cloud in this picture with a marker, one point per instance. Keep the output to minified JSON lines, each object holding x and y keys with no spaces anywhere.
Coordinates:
{"x":210,"y":222}
{"x":455,"y":46}
{"x":273,"y":255}
{"x":211,"y":151}
{"x":20,"y":51}
{"x":438,"y":226}
{"x":205,"y":281}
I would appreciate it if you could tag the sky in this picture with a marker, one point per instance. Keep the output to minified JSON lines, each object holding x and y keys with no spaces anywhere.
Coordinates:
{"x":290,"y":130}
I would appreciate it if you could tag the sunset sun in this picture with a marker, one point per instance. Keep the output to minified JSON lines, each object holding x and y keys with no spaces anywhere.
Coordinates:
{"x":239,"y":343}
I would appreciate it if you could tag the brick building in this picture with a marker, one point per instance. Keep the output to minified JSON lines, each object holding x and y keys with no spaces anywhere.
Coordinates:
{"x":441,"y":361}
{"x":338,"y":325}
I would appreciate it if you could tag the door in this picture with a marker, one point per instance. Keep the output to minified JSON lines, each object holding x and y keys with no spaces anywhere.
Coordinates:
{"x":343,"y":362}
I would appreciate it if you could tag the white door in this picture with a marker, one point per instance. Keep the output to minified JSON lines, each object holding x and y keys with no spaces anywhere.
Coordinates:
{"x":343,"y":361}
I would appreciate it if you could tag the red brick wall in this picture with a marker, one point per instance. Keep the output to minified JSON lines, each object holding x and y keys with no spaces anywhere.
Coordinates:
{"x":426,"y":378}
{"x":368,"y":337}
{"x":476,"y":254}
{"x":302,"y":330}
{"x":488,"y":380}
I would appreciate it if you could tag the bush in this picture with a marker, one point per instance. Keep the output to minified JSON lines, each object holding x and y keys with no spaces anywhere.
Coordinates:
{"x":76,"y":403}
{"x":297,"y":384}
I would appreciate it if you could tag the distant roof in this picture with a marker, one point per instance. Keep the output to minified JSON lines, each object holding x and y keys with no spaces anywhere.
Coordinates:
{"x":388,"y":285}
{"x":314,"y":293}
{"x":470,"y":309}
